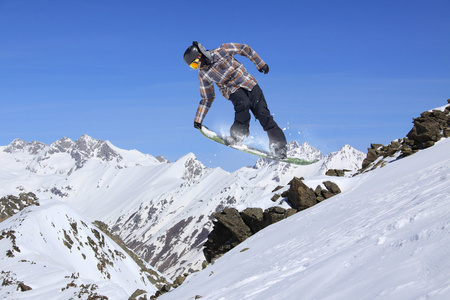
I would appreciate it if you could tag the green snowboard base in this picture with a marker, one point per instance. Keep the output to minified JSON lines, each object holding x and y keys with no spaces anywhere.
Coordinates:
{"x":251,"y":150}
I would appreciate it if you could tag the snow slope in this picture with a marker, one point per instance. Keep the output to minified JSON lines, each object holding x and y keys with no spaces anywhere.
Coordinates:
{"x":386,"y":237}
{"x":60,"y":255}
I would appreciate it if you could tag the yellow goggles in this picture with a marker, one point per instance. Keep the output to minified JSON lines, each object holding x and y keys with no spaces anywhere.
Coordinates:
{"x":195,"y":63}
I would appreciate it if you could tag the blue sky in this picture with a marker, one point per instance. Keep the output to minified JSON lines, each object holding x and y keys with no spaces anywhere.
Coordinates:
{"x":341,"y":72}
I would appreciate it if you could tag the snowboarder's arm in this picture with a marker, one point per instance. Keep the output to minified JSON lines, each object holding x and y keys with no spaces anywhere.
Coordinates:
{"x":244,"y":50}
{"x":207,"y":94}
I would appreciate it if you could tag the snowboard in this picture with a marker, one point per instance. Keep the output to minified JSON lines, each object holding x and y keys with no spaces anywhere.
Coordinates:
{"x":251,"y":150}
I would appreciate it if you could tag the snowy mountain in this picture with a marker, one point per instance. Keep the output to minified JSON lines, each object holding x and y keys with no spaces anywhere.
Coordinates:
{"x":386,"y":237}
{"x":384,"y":222}
{"x":65,"y":156}
{"x":347,"y":158}
{"x":162,"y":210}
{"x":54,"y":253}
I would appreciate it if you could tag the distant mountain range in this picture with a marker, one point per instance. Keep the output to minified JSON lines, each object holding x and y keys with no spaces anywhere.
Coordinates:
{"x":162,"y":210}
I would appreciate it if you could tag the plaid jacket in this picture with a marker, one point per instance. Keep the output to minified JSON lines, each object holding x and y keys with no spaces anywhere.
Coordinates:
{"x":227,"y":73}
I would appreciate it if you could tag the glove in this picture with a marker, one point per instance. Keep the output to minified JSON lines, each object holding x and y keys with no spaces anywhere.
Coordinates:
{"x":264,"y":69}
{"x":197,"y":125}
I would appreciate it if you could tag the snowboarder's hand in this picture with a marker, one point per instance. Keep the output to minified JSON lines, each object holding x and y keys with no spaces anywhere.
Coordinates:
{"x":197,"y":125}
{"x":264,"y":69}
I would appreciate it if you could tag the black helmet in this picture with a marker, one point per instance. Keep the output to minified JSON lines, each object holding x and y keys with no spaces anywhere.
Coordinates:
{"x":190,"y":54}
{"x":193,"y":51}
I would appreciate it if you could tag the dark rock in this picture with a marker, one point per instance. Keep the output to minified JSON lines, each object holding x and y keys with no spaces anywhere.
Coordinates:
{"x":300,"y":195}
{"x":277,"y":188}
{"x":332,"y":187}
{"x":179,"y":280}
{"x":326,"y":194}
{"x":275,"y":197}
{"x":391,"y":150}
{"x":376,"y":146}
{"x":222,"y":239}
{"x":318,"y":191}
{"x":331,"y":172}
{"x":406,"y":151}
{"x":229,"y":231}
{"x":290,"y":212}
{"x":166,"y":288}
{"x":320,"y":198}
{"x":136,"y":294}
{"x":23,"y":287}
{"x":253,"y":218}
{"x":447,"y":132}
{"x":371,"y":156}
{"x":428,"y":128}
{"x":231,"y":219}
{"x":156,"y":295}
{"x":336,"y":172}
{"x":274,"y":214}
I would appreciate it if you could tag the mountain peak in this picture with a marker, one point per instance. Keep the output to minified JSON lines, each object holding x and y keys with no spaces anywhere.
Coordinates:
{"x":345,"y":158}
{"x":63,"y":145}
{"x":303,"y":151}
{"x":191,"y":166}
{"x":86,"y":147}
{"x":88,"y":139}
{"x":294,"y":149}
{"x":19,"y":145}
{"x":85,"y":141}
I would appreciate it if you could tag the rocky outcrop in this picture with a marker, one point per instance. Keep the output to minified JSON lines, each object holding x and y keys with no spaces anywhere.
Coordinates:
{"x":232,"y":221}
{"x":225,"y":237}
{"x":300,"y":196}
{"x":155,"y":278}
{"x":429,"y":128}
{"x":378,"y":155}
{"x":336,"y":172}
{"x":162,"y":159}
{"x":10,"y":205}
{"x":232,"y":227}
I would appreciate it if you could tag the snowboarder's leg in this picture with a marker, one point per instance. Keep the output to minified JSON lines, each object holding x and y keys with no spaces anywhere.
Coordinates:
{"x":240,"y":128}
{"x":277,"y":139}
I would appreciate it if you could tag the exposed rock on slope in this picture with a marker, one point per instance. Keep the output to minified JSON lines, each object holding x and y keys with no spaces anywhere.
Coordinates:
{"x":429,"y":128}
{"x":11,"y":205}
{"x":232,"y":227}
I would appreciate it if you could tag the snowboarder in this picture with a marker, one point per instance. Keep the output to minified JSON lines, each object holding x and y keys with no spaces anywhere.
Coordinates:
{"x":237,"y":85}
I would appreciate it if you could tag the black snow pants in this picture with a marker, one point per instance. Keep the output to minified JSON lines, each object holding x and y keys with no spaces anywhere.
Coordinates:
{"x":244,"y":101}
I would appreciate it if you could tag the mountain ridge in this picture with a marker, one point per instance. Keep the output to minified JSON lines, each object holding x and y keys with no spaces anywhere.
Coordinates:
{"x":160,"y":196}
{"x":73,"y":257}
